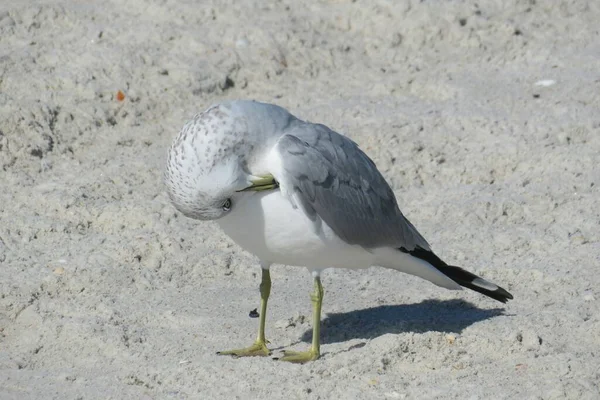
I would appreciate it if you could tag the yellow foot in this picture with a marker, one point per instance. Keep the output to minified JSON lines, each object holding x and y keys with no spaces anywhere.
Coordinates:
{"x":300,"y":356}
{"x":257,"y":349}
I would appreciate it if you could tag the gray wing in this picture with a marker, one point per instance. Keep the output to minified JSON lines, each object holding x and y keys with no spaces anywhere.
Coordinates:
{"x":339,"y":183}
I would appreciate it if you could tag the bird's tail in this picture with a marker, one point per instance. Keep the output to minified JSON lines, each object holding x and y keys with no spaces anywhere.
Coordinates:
{"x":461,"y":276}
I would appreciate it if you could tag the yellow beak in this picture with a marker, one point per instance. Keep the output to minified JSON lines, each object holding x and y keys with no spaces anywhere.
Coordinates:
{"x":260,"y":183}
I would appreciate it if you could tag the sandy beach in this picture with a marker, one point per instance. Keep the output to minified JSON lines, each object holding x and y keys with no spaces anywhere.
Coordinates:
{"x":483,"y":117}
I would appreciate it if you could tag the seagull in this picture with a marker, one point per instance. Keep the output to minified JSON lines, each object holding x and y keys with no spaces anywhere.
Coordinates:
{"x":297,"y":193}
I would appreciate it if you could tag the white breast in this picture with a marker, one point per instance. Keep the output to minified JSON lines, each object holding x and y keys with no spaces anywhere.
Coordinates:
{"x":267,"y":225}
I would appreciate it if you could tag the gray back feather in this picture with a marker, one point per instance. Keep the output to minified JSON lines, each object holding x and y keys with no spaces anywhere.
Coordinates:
{"x":339,"y":183}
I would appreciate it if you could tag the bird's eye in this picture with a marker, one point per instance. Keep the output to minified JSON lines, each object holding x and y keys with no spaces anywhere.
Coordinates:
{"x":227,"y":205}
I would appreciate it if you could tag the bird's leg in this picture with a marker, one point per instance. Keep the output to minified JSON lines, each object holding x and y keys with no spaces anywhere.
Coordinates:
{"x":265,"y":292}
{"x":259,"y":348}
{"x":315,"y":349}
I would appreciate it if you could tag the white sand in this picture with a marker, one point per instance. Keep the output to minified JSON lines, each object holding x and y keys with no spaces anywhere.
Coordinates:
{"x":105,"y":292}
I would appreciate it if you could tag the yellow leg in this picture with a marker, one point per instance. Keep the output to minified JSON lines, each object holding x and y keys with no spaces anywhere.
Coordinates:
{"x":259,"y":348}
{"x":315,"y":349}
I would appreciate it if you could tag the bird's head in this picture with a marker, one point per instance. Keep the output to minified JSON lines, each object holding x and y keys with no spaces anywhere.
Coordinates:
{"x":204,"y":194}
{"x":207,"y":166}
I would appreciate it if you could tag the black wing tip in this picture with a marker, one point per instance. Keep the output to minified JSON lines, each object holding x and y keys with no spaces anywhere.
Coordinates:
{"x":499,"y":294}
{"x":461,"y":276}
{"x":507,"y":295}
{"x":473,"y":282}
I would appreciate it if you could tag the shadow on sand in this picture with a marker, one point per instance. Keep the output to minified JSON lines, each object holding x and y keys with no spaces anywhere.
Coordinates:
{"x":427,"y":316}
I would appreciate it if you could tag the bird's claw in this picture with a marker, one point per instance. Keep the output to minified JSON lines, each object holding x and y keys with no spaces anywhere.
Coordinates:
{"x":299,"y":357}
{"x":257,"y":349}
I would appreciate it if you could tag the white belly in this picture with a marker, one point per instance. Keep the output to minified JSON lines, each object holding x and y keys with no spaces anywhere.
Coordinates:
{"x":267,"y":225}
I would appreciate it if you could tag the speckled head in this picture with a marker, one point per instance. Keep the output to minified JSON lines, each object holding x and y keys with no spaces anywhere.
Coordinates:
{"x":206,"y":164}
{"x":218,"y":151}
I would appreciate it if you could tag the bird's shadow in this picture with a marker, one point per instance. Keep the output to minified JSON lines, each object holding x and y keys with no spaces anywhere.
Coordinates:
{"x":427,"y":316}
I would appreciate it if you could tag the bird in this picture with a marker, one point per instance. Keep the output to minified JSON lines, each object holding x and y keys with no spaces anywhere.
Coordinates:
{"x":297,"y":193}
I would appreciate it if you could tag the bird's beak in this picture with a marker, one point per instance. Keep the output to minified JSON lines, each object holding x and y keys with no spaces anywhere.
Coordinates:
{"x":260,"y":183}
